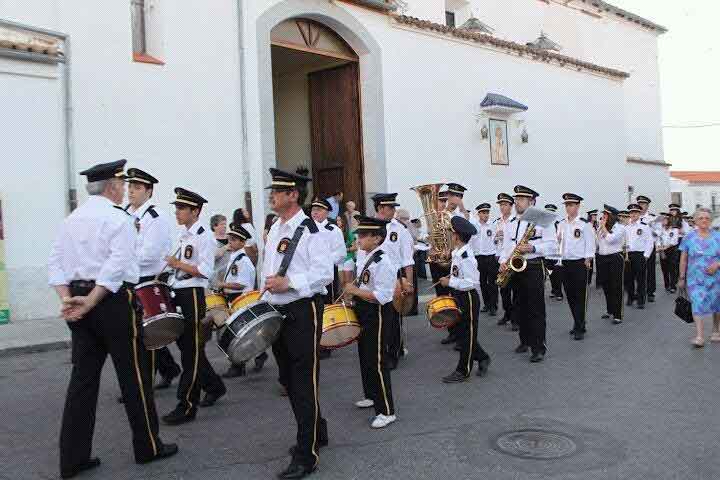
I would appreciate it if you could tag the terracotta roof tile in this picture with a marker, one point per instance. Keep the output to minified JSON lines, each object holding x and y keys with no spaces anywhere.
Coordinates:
{"x":696,"y":176}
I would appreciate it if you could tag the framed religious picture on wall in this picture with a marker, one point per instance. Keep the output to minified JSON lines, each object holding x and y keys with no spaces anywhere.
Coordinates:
{"x":499,"y":152}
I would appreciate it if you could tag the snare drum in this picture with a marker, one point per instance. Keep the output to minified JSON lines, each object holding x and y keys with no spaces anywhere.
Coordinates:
{"x":442,"y":312}
{"x":217,"y":310}
{"x":250,"y":331}
{"x":340,"y":326}
{"x":244,"y":300}
{"x":162,"y":325}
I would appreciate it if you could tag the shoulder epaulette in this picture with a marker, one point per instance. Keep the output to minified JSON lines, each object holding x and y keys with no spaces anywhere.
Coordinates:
{"x":127,"y":207}
{"x":496,"y":220}
{"x":201,"y":230}
{"x":464,"y":254}
{"x":378,"y":256}
{"x":643,"y":223}
{"x":585,"y":220}
{"x":401,"y":223}
{"x":329,"y":226}
{"x":239,"y":257}
{"x":513,"y":219}
{"x":311,"y":225}
{"x":122,"y":209}
{"x":151,"y":210}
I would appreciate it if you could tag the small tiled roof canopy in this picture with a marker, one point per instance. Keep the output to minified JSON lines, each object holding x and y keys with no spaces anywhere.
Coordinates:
{"x":495,"y":101}
{"x":696,"y":177}
{"x":475,"y":25}
{"x":544,"y":43}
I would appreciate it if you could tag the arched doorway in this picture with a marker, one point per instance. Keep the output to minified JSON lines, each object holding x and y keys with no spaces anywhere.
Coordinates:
{"x":316,"y":99}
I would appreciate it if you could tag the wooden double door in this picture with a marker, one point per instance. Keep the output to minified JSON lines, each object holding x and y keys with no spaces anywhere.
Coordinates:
{"x":336,"y":133}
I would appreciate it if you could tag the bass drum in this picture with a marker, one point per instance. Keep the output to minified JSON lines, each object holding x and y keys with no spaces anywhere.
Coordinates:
{"x":250,"y":331}
{"x":442,"y":311}
{"x":340,"y":326}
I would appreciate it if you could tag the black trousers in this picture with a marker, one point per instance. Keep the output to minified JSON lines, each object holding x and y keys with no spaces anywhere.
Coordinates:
{"x":437,"y":271}
{"x":670,"y":267}
{"x":488,"y":267}
{"x":197,"y":372}
{"x":651,"y":282}
{"x":555,"y":277}
{"x":529,"y":305}
{"x":467,"y":330}
{"x":296,"y":351}
{"x":374,"y":365}
{"x":165,"y":364}
{"x":574,"y":278}
{"x":506,"y":295}
{"x":612,"y":267}
{"x":113,"y":328}
{"x":420,"y":260}
{"x":627,"y":277}
{"x":638,"y":277}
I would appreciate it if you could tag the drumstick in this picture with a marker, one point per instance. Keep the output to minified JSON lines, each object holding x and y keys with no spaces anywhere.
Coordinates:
{"x":432,"y":286}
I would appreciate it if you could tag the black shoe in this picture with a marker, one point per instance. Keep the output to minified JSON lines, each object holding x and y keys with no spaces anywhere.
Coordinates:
{"x":178,"y":417}
{"x":166,"y":450}
{"x":493,"y":312}
{"x":260,"y":362}
{"x":651,"y":298}
{"x":457,"y":348}
{"x":295,"y":471}
{"x":503,"y":320}
{"x":164,"y":383}
{"x":572,"y":332}
{"x":641,"y":306}
{"x":321,"y":443}
{"x":521,"y":348}
{"x":449,"y":339}
{"x":120,"y":399}
{"x":484,"y":309}
{"x":605,"y":316}
{"x":210,"y":399}
{"x":579,"y":335}
{"x":324,"y":353}
{"x":515,"y":327}
{"x":483,"y":366}
{"x":235,"y":371}
{"x":89,"y":465}
{"x":537,"y":357}
{"x":629,"y":302}
{"x":455,"y":377}
{"x":392,"y":363}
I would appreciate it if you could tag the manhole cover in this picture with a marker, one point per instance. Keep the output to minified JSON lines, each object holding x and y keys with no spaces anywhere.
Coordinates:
{"x":536,"y":444}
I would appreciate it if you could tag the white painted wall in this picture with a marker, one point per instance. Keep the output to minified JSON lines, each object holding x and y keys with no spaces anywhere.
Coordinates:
{"x":652,"y":181}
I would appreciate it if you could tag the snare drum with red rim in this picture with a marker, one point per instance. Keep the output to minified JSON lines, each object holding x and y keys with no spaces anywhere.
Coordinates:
{"x":162,"y":325}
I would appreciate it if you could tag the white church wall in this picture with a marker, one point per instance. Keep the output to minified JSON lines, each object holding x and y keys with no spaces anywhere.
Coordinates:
{"x":650,"y":180}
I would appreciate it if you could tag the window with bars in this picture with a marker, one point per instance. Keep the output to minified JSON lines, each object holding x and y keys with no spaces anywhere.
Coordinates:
{"x":450,"y":19}
{"x":139,"y":34}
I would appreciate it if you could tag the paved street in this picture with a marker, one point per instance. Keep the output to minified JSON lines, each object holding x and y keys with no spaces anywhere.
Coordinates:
{"x":630,"y":402}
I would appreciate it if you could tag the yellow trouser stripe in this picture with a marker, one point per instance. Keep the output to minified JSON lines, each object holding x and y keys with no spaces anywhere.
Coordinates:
{"x":379,"y":359}
{"x":472,"y":337}
{"x":133,"y":320}
{"x":315,"y":384}
{"x":197,"y":351}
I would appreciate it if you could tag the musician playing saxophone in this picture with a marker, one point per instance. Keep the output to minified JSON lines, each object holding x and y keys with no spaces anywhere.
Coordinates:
{"x":528,"y":285}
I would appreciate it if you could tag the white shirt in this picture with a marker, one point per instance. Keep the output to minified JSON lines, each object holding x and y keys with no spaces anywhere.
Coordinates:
{"x":499,"y":226}
{"x":334,"y":207}
{"x":154,"y":240}
{"x":669,"y":237}
{"x":483,"y":242}
{"x":613,"y":241}
{"x":398,"y":245}
{"x":380,"y":276}
{"x":311,"y":267}
{"x":240,"y":270}
{"x":544,"y":240}
{"x":95,"y":242}
{"x":197,"y":247}
{"x":335,"y":240}
{"x":639,"y":238}
{"x":464,"y":274}
{"x":650,"y":220}
{"x":577,"y":239}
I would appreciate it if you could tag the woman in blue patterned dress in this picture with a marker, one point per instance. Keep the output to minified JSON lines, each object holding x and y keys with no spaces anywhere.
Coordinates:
{"x":700,"y":271}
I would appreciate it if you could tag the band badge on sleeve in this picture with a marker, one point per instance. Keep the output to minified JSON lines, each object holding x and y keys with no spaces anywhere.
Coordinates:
{"x":455,"y":271}
{"x":365,"y":277}
{"x":283,"y":246}
{"x":188,"y":252}
{"x":639,"y":231}
{"x":393,"y":236}
{"x":233,"y":270}
{"x":489,"y":233}
{"x":671,"y":234}
{"x":577,"y":233}
{"x":137,"y":224}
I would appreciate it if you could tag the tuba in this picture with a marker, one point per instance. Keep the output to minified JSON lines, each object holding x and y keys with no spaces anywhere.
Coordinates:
{"x":438,"y":223}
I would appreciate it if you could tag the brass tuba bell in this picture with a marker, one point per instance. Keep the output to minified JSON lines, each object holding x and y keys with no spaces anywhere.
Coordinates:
{"x":438,"y":223}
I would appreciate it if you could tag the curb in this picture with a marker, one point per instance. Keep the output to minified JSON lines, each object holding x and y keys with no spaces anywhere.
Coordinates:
{"x":38,"y":348}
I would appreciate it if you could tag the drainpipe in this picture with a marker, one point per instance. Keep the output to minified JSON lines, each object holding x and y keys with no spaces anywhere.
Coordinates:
{"x":67,"y":98}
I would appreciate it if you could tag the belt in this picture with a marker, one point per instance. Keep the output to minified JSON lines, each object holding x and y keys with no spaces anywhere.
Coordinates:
{"x":535,"y":261}
{"x":574,"y":260}
{"x":83,"y":284}
{"x":146,"y":278}
{"x":485,"y":255}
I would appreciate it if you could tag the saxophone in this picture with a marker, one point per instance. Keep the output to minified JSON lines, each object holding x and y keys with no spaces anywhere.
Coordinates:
{"x":517,"y":262}
{"x":438,"y":223}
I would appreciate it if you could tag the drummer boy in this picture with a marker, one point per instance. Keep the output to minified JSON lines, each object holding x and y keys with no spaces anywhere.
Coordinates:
{"x":239,"y":279}
{"x":372,"y":292}
{"x":463,"y":281}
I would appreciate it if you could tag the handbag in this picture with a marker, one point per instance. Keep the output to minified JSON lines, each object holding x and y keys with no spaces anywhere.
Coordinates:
{"x":683,"y":308}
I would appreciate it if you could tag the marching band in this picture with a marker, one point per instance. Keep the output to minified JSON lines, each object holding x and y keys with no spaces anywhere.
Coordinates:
{"x":128,"y":292}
